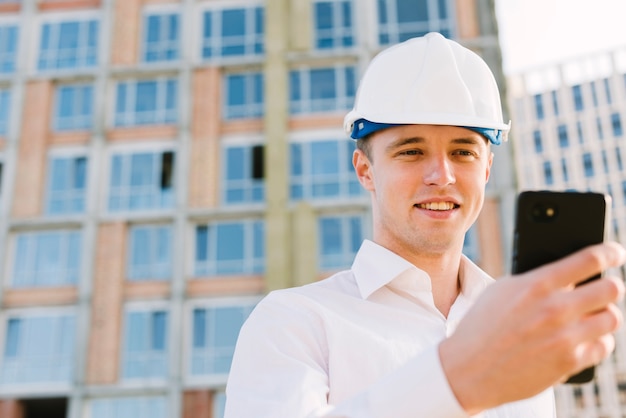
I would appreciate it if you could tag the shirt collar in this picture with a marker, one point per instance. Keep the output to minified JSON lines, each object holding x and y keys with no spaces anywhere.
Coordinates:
{"x":375,"y":266}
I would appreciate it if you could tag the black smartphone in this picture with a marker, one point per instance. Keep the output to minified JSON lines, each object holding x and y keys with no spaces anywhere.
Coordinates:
{"x":550,"y":225}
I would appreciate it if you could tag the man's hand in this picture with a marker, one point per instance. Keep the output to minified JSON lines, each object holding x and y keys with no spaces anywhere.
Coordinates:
{"x":531,"y":331}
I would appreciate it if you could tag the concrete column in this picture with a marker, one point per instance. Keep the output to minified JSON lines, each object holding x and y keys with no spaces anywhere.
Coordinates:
{"x":127,"y":23}
{"x":11,"y":408}
{"x":278,"y":248}
{"x":197,"y":404}
{"x":105,"y":337}
{"x":205,"y":131}
{"x":305,"y":244}
{"x":301,"y":25}
{"x":32,"y":152}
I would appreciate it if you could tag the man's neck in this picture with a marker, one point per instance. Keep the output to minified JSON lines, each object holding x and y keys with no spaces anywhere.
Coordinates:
{"x":443,"y":270}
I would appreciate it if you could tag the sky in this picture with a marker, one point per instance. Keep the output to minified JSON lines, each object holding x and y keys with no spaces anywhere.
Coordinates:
{"x":535,"y":33}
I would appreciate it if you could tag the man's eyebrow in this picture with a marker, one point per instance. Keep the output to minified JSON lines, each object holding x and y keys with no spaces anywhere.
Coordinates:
{"x":405,"y":141}
{"x":466,"y":140}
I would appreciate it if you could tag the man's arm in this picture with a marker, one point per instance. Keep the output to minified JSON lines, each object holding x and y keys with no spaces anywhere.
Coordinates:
{"x":280,"y":370}
{"x":532,"y":331}
{"x":523,"y":335}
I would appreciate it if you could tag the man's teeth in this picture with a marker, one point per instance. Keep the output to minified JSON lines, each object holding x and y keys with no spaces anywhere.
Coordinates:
{"x":437,"y":206}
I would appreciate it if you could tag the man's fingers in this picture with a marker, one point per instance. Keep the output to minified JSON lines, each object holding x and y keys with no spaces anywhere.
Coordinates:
{"x":594,"y":296}
{"x":581,"y":265}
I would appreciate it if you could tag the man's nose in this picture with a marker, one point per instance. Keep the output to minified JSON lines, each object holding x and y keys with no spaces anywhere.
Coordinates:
{"x":439,"y":172}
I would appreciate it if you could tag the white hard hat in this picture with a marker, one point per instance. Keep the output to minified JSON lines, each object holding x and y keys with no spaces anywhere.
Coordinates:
{"x":428,"y":80}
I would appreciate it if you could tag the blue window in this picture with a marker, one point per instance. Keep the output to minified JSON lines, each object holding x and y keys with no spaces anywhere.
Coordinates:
{"x":537,"y":141}
{"x":321,"y":89}
{"x":607,"y":90}
{"x":145,"y":344}
{"x":230,"y":248}
{"x":399,"y":20}
{"x":233,"y":32}
{"x":8,"y":48}
{"x":323,"y":170}
{"x":616,"y":124}
{"x":141,"y":181}
{"x":605,"y":161}
{"x":67,"y":185}
{"x":244,"y":174}
{"x":547,"y":173}
{"x":215,"y":332}
{"x":340,"y":239}
{"x":599,"y":128}
{"x":555,"y":102}
{"x":618,"y":156}
{"x":46,"y":259}
{"x":588,"y":165}
{"x":563,"y":136}
{"x":150,"y":252}
{"x":146,"y":102}
{"x":68,"y":45}
{"x":333,"y":24}
{"x":578,"y":97}
{"x":624,"y":191}
{"x":161,"y":37}
{"x":38,"y":349}
{"x":73,"y":107}
{"x":219,"y":403}
{"x":5,"y":111}
{"x":471,"y":246}
{"x":243,"y":95}
{"x":579,"y":130}
{"x":539,"y":106}
{"x":130,"y":407}
{"x":564,"y":169}
{"x":594,"y":95}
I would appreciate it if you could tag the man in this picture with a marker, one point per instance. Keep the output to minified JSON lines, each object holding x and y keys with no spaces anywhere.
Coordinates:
{"x":414,"y":328}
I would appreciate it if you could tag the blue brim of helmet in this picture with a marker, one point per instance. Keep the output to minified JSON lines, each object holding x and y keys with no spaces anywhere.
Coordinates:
{"x":362,"y":128}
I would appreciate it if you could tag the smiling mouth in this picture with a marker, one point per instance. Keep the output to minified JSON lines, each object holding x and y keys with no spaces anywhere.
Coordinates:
{"x":438,"y":206}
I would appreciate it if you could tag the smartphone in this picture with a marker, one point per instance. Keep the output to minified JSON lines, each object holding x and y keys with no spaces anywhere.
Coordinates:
{"x":550,"y":225}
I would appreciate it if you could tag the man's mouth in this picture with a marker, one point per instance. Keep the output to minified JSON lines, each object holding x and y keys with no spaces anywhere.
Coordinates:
{"x":437,"y":205}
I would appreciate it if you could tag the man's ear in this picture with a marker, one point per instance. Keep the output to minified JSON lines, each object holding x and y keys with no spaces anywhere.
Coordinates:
{"x":364,"y":169}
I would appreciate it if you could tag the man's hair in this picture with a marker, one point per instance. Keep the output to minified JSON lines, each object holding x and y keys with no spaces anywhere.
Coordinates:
{"x":364,"y":145}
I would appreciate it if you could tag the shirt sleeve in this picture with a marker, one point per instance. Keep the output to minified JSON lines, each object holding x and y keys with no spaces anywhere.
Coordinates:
{"x":280,"y":370}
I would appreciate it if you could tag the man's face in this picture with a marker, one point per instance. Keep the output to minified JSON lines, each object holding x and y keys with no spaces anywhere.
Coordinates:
{"x":427,"y":184}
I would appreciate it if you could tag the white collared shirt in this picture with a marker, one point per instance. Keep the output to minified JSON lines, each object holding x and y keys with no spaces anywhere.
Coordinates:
{"x":360,"y":344}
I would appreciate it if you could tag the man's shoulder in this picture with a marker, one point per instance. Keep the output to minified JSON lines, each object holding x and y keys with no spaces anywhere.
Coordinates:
{"x":341,"y":282}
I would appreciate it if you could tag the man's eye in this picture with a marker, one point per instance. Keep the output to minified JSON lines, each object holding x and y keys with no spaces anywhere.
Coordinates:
{"x":410,"y":152}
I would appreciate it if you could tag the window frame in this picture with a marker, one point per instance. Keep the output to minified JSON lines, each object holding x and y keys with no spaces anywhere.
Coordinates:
{"x":161,"y":115}
{"x":73,"y":154}
{"x":344,"y":259}
{"x":340,"y":36}
{"x":161,"y":403}
{"x":345,"y":177}
{"x":5,"y":53}
{"x":163,"y":273}
{"x":252,"y":108}
{"x":150,"y":307}
{"x":127,"y":151}
{"x":344,"y":86}
{"x":57,"y":19}
{"x":32,"y":260}
{"x":210,"y":267}
{"x":250,"y":43}
{"x":45,"y":387}
{"x":214,"y":380}
{"x":250,"y":185}
{"x":86,"y":121}
{"x":161,"y":11}
{"x":392,"y":31}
